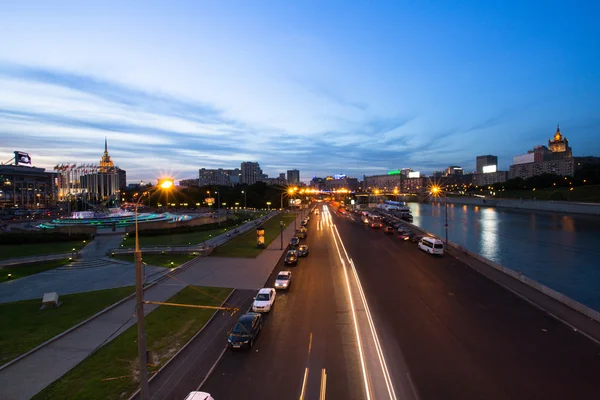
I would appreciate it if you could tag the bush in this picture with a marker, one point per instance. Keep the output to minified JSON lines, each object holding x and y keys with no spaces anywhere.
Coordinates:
{"x":41,"y":237}
{"x":188,"y":229}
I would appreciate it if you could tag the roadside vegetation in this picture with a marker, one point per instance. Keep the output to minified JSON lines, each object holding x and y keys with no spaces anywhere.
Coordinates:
{"x":38,"y":249}
{"x":245,"y":244}
{"x":25,"y":326}
{"x":112,"y":371}
{"x":22,"y":270}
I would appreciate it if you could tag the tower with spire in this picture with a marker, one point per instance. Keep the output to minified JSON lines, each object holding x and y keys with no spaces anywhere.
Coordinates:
{"x":106,"y":163}
{"x":559,"y":145}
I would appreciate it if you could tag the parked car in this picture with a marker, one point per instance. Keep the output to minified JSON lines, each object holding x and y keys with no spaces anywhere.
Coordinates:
{"x":283,"y":280}
{"x":199,"y":396}
{"x":294,"y":242}
{"x":245,"y":331}
{"x":388,"y":230}
{"x":264,"y":300}
{"x":303,"y":251}
{"x":291,"y":257}
{"x":417,"y":238}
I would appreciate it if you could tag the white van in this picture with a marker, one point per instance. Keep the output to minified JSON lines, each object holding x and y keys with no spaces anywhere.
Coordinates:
{"x":431,"y":245}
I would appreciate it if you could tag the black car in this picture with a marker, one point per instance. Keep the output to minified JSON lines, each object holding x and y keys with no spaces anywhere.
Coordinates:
{"x":417,"y":238}
{"x":291,"y":257}
{"x":303,"y":250}
{"x":245,"y":331}
{"x":294,"y":242}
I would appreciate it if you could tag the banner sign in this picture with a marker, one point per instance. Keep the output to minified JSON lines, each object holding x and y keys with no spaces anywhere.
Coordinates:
{"x":22,"y":158}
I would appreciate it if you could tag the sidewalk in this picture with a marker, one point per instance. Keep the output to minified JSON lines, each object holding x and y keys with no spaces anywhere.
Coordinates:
{"x":27,"y":376}
{"x":93,"y":271}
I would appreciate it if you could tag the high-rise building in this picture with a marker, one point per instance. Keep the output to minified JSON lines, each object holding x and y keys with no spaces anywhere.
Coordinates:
{"x":489,"y":161}
{"x":282,"y":177}
{"x":293,"y":176}
{"x":250,"y":173}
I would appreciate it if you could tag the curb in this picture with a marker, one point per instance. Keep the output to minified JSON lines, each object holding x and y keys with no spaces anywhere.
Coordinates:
{"x":137,"y":392}
{"x":82,"y":323}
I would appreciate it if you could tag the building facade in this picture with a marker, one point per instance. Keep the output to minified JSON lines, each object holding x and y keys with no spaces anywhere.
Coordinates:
{"x":486,"y":161}
{"x":293,"y":176}
{"x":27,"y":187}
{"x":341,"y":183}
{"x":490,"y":178}
{"x":383,"y":182}
{"x":219,"y":176}
{"x":413,"y":185}
{"x":250,"y":173}
{"x":557,"y":159}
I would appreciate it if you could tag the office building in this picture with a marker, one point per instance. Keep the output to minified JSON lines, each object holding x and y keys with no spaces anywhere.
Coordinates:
{"x":250,"y":173}
{"x":341,"y":182}
{"x":486,"y":164}
{"x":293,"y":176}
{"x":383,"y":182}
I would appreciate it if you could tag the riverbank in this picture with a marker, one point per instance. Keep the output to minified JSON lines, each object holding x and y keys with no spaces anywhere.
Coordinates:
{"x":568,"y":207}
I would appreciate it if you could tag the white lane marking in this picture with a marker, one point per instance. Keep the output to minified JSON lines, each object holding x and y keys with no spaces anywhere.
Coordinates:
{"x":303,"y":392}
{"x":354,"y":319}
{"x":378,"y":347}
{"x":323,"y":384}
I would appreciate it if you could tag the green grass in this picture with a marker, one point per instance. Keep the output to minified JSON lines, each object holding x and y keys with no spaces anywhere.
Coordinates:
{"x":25,"y":326}
{"x":177,"y":239}
{"x":159,"y":260}
{"x":34,"y":249}
{"x":112,"y":372}
{"x":245,"y":245}
{"x":19,"y":271}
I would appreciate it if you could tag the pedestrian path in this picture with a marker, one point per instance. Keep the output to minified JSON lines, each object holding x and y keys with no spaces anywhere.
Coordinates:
{"x":28,"y":375}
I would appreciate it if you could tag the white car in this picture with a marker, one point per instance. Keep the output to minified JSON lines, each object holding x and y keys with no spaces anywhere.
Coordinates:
{"x":199,"y":396}
{"x":283,"y":280}
{"x":263,"y":302}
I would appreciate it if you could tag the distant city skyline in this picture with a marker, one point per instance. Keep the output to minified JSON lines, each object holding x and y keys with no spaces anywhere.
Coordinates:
{"x":187,"y":85}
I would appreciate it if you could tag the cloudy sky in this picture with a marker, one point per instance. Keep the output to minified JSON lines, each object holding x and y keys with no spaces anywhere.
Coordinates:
{"x":325,"y":87}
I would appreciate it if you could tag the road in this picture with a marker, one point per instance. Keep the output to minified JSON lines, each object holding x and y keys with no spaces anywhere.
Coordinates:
{"x":307,"y":341}
{"x":461,"y":335}
{"x":444,"y":330}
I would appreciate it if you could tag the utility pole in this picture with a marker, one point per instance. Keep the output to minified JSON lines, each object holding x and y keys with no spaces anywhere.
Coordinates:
{"x":139,"y":299}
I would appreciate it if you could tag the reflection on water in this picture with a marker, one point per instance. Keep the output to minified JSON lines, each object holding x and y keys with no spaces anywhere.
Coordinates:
{"x":560,"y":251}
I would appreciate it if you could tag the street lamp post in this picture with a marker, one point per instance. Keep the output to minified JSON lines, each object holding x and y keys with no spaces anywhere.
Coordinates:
{"x":281,"y":233}
{"x":437,"y":191}
{"x":139,"y":297}
{"x":244,"y":193}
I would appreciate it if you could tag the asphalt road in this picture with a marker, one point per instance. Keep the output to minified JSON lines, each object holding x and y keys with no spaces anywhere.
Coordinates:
{"x":308,"y":333}
{"x":461,"y":335}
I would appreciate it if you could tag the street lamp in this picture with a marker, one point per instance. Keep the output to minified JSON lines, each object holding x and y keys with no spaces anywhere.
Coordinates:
{"x":244,"y":193}
{"x":437,"y":191}
{"x":166,"y":184}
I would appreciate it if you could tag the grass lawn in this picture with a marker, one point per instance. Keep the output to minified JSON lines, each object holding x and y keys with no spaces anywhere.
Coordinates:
{"x":25,"y":326}
{"x":112,"y":372}
{"x":245,"y":245}
{"x":34,"y":249}
{"x":19,"y":271}
{"x":159,"y":260}
{"x":177,"y":239}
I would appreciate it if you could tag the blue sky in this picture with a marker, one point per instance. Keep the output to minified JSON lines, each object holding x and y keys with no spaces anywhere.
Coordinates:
{"x":325,"y":87}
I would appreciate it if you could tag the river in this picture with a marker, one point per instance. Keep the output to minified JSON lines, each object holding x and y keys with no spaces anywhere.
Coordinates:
{"x":558,"y":250}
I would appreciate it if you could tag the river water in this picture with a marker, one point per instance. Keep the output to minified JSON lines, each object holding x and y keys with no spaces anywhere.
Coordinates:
{"x":558,"y":250}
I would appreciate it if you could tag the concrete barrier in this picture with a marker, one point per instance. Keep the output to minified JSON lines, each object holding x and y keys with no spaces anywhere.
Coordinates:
{"x":569,"y":207}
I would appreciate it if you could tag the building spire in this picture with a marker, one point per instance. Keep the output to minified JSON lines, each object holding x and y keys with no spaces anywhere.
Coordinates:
{"x":105,"y":145}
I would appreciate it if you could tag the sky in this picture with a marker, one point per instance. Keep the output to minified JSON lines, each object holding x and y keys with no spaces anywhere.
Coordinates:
{"x":336,"y":87}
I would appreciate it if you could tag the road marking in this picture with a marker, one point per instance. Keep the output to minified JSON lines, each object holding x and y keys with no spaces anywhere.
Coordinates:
{"x":381,"y":357}
{"x":359,"y":344}
{"x":323,"y":384}
{"x":304,"y":384}
{"x":309,"y":344}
